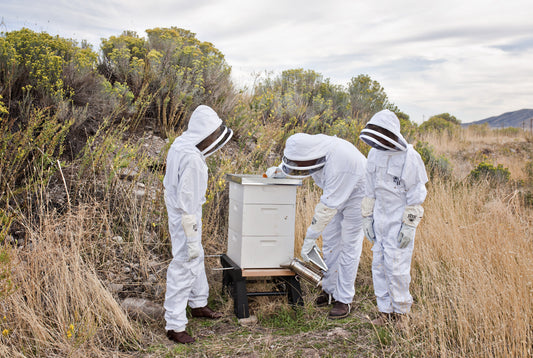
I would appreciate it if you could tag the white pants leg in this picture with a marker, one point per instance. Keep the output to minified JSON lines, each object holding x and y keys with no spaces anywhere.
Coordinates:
{"x":401,"y":278}
{"x":186,"y":280}
{"x":186,"y":283}
{"x":391,"y":275}
{"x":380,"y":279}
{"x":331,"y":249}
{"x":343,"y":240}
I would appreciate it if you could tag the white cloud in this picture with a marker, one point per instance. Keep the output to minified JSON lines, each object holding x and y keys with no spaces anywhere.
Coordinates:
{"x":469,"y":58}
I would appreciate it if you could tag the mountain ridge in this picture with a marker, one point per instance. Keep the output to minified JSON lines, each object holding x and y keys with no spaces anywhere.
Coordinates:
{"x":522,"y":118}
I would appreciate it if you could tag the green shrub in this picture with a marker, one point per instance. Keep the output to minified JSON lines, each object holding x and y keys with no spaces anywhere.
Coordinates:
{"x":527,"y":198}
{"x":3,"y":108}
{"x":367,"y":97}
{"x":303,"y":101}
{"x":487,"y":171}
{"x":409,"y":128}
{"x":441,"y":123}
{"x":29,"y":154}
{"x":171,"y":71}
{"x":37,"y":68}
{"x":508,"y":131}
{"x":6,"y":283}
{"x":436,"y":166}
{"x":300,"y":99}
{"x":479,"y":129}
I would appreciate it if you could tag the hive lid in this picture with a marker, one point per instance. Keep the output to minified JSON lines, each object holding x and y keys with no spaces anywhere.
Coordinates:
{"x":251,"y":179}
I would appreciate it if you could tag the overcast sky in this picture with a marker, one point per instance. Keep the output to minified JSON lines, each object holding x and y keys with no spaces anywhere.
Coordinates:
{"x":472,"y":59}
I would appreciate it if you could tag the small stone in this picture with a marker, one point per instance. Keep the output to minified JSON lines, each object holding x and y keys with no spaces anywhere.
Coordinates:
{"x":140,"y":193}
{"x":127,"y":174}
{"x":143,"y":309}
{"x":338,"y":332}
{"x":248,"y":321}
{"x":115,"y":288}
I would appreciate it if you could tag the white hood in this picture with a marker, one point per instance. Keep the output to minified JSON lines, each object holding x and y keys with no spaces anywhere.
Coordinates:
{"x":204,"y":121}
{"x":387,"y":120}
{"x":302,"y":146}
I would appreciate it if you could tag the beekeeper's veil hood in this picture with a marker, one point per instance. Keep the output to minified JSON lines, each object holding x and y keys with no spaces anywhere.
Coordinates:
{"x":304,"y":154}
{"x":383,"y":132}
{"x":206,"y":130}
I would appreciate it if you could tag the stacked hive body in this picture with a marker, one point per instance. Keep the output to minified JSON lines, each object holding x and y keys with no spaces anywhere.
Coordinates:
{"x":261,"y":220}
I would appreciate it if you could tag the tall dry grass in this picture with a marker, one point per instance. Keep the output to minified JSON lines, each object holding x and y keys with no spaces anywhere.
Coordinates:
{"x":465,"y":148}
{"x":59,"y":306}
{"x":473,"y":273}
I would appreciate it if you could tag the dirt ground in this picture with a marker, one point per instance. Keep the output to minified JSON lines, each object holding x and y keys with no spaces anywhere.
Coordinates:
{"x":277,"y":329}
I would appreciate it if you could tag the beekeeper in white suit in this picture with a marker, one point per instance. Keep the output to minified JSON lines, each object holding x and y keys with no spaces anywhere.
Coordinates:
{"x":391,"y":209}
{"x":338,"y":168}
{"x":185,"y":185}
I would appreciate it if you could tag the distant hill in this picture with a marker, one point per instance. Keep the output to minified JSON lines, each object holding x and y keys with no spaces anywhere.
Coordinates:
{"x":510,"y":119}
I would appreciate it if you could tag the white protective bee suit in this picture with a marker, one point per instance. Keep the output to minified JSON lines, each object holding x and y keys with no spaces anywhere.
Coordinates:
{"x":185,"y":185}
{"x":395,"y":190}
{"x":341,"y":176}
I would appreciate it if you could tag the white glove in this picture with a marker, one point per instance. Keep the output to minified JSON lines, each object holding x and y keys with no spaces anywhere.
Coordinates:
{"x":367,"y":211}
{"x":368,"y":228}
{"x":191,"y":232}
{"x":367,"y":206}
{"x":193,"y":249}
{"x":410,"y":220}
{"x":321,"y":219}
{"x":274,"y":172}
{"x":406,"y":235}
{"x":412,"y":215}
{"x":306,"y":248}
{"x":190,"y":226}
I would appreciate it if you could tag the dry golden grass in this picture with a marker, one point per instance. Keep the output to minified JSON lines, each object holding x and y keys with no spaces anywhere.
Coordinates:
{"x":59,"y":306}
{"x":472,"y":273}
{"x":306,"y":200}
{"x":473,"y":261}
{"x":466,"y":148}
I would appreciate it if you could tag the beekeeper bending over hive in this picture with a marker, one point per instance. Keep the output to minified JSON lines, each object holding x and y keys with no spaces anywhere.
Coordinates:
{"x":185,"y":186}
{"x":395,"y":191}
{"x":338,"y":168}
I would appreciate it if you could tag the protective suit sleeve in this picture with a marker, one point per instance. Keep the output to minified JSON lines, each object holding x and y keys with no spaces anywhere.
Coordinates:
{"x":370,"y":176}
{"x":412,"y":215}
{"x":416,"y":195}
{"x":192,"y":186}
{"x":321,"y":219}
{"x":415,"y":177}
{"x":185,"y":180}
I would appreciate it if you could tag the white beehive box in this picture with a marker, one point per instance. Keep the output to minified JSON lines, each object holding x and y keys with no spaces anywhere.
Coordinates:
{"x":261,"y":220}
